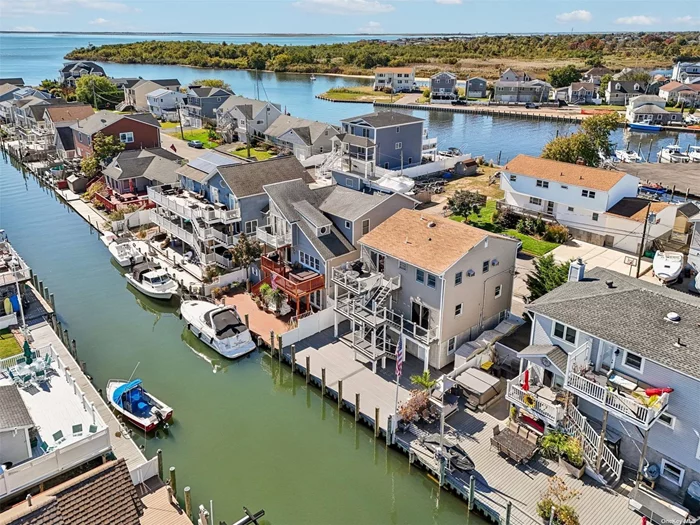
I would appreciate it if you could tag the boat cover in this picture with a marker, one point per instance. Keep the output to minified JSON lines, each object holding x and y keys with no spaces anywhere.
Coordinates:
{"x":227,"y":323}
{"x":121,"y":390}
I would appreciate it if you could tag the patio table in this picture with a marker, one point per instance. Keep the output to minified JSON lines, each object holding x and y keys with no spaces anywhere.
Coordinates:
{"x":516,"y":447}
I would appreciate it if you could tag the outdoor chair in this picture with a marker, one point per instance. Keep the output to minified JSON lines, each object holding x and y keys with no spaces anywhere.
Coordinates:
{"x":25,"y":379}
{"x":58,"y":437}
{"x":40,"y":376}
{"x":47,"y":359}
{"x":77,"y":430}
{"x":92,"y":429}
{"x":21,"y":360}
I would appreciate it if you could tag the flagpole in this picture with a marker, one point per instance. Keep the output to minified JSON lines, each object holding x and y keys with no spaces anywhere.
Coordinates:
{"x":400,"y":351}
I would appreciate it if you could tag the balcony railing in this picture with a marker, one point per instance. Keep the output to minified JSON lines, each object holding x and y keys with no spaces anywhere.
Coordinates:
{"x":276,"y":240}
{"x":195,"y":209}
{"x":623,"y":407}
{"x":172,"y":228}
{"x":551,"y":413}
{"x":284,"y":279}
{"x":357,"y":284}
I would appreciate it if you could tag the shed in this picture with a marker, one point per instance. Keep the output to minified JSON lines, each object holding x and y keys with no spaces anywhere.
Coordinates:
{"x":77,"y":184}
{"x":467,"y":167}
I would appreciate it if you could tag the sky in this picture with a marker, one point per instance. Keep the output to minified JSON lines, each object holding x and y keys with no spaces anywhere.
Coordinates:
{"x":350,"y":16}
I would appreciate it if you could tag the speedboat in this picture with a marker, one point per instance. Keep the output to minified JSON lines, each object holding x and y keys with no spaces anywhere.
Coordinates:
{"x":136,"y":405}
{"x":153,"y":281}
{"x":673,"y":154}
{"x":220,"y":327}
{"x":627,"y":155}
{"x":694,"y":153}
{"x":124,"y":250}
{"x":644,"y":126}
{"x":667,"y":266}
{"x":312,"y":77}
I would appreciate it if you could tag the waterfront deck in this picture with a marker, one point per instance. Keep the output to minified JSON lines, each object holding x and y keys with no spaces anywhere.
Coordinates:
{"x":122,"y":445}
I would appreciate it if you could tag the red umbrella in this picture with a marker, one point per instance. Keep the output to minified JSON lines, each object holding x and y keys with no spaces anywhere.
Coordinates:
{"x":526,"y":380}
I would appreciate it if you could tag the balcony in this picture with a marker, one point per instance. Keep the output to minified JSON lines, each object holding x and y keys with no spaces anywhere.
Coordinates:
{"x":541,"y":402}
{"x":296,"y":283}
{"x":359,"y":277}
{"x":190,"y":205}
{"x":172,"y":228}
{"x":275,"y":240}
{"x":634,"y":407}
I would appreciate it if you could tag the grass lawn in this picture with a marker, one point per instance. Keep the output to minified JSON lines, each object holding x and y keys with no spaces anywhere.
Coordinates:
{"x":8,"y":344}
{"x":484,"y":220}
{"x":358,"y":93}
{"x":258,"y":154}
{"x":169,"y":125}
{"x":604,"y":106}
{"x":201,"y":135}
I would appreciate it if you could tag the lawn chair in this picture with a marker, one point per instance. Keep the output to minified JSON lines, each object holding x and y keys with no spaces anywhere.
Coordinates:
{"x":77,"y":430}
{"x":40,"y":376}
{"x":47,"y":360}
{"x":25,"y":379}
{"x":45,"y":447}
{"x":15,"y":379}
{"x":58,"y":438}
{"x":21,"y":360}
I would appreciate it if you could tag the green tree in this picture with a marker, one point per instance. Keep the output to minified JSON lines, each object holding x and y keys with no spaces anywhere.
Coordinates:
{"x":605,"y":80}
{"x":105,"y":147}
{"x":572,"y":148}
{"x":547,"y":275}
{"x":598,"y":128}
{"x":423,"y":380}
{"x":595,"y":60}
{"x":89,"y":165}
{"x":256,"y":60}
{"x":48,"y":84}
{"x":564,"y":76}
{"x":465,"y":202}
{"x":98,"y":91}
{"x":245,"y":252}
{"x":212,"y":82}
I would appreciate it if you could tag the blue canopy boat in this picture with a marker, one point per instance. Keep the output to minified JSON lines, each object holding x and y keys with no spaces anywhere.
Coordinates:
{"x":139,"y":407}
{"x":642,"y":126}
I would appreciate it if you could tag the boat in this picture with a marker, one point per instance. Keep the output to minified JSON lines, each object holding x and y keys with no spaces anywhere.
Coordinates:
{"x":135,"y":404}
{"x":312,"y":77}
{"x":218,"y":326}
{"x":124,"y":250}
{"x":644,"y":126}
{"x":667,"y":266}
{"x":153,"y":281}
{"x":694,"y":153}
{"x":673,"y":154}
{"x":627,"y":155}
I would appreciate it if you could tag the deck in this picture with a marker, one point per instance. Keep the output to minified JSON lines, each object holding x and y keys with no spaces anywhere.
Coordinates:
{"x":497,"y":479}
{"x":122,"y":445}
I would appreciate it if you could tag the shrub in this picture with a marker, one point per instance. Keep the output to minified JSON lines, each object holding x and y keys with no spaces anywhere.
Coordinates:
{"x":507,"y":219}
{"x":553,"y":444}
{"x":556,"y":233}
{"x":573,"y":450}
{"x":426,"y":93}
{"x":417,"y":402}
{"x":544,"y":508}
{"x":691,"y":111}
{"x":557,"y":497}
{"x":465,"y":202}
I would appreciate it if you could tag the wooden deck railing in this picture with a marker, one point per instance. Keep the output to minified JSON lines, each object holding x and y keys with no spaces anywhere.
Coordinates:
{"x":280,"y":277}
{"x":543,"y":408}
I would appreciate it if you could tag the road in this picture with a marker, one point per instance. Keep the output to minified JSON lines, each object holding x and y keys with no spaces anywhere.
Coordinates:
{"x":181,"y":147}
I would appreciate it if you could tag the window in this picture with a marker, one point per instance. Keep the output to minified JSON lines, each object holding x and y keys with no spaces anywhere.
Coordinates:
{"x":595,"y":217}
{"x":672,"y":473}
{"x":588,"y":193}
{"x":420,"y":276}
{"x":633,"y":361}
{"x":535,"y":201}
{"x":365,"y":227}
{"x":431,"y":280}
{"x":542,"y":184}
{"x":398,"y":130}
{"x":458,"y":310}
{"x":570,"y":208}
{"x":349,"y":183}
{"x":485,"y":267}
{"x":348,"y":224}
{"x":498,"y":291}
{"x":126,"y":137}
{"x":251,"y":226}
{"x":451,"y":345}
{"x":513,"y":178}
{"x":565,"y":333}
{"x":667,"y":420}
{"x":309,"y":260}
{"x":398,"y":145}
{"x":458,"y":278}
{"x":402,"y":265}
{"x":564,"y":187}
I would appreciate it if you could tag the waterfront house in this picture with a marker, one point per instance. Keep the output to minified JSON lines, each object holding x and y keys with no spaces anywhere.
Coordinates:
{"x":7,"y":90}
{"x":686,"y":72}
{"x":510,"y":75}
{"x":412,"y":278}
{"x":675,"y":92}
{"x":477,"y":87}
{"x":239,"y":117}
{"x":135,"y":131}
{"x":612,"y":341}
{"x":582,"y":93}
{"x":201,"y":105}
{"x":15,"y":81}
{"x":163,"y":103}
{"x":443,"y":88}
{"x":521,"y":91}
{"x":124,"y":82}
{"x":650,"y":109}
{"x":694,"y":251}
{"x":301,"y":137}
{"x":135,"y":96}
{"x":619,"y":93}
{"x":395,"y":79}
{"x":70,"y":72}
{"x":595,"y":74}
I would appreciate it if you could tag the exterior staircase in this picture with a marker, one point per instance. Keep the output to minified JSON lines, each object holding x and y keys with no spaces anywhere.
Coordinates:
{"x":329,"y":162}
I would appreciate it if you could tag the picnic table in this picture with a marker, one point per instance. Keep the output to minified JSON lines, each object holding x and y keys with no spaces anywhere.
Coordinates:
{"x":519,"y":445}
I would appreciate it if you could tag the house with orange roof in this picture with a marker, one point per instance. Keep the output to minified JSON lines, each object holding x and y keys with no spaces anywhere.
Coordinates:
{"x":395,"y":79}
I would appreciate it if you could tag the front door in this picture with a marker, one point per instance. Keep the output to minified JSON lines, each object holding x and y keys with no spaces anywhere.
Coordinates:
{"x":420,"y":315}
{"x":378,"y":261}
{"x":550,"y":208}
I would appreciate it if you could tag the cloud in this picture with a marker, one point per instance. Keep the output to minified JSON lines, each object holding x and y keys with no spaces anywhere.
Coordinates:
{"x":16,"y":8}
{"x":98,"y":22}
{"x":448,"y":2}
{"x":688,"y":20}
{"x":24,"y":28}
{"x":579,"y":15}
{"x":344,"y":7}
{"x":371,"y":28}
{"x":637,"y":20}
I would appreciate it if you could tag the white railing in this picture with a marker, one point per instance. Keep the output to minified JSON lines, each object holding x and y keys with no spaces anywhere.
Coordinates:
{"x":10,"y":361}
{"x":170,"y":204}
{"x":172,"y":228}
{"x":543,"y":408}
{"x":207,"y":212}
{"x":276,"y":240}
{"x":8,"y":320}
{"x":144,"y":471}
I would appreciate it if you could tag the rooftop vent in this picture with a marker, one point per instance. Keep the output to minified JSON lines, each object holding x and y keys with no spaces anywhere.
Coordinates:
{"x":673,"y":317}
{"x":610,"y":284}
{"x":678,"y":343}
{"x":431,"y":224}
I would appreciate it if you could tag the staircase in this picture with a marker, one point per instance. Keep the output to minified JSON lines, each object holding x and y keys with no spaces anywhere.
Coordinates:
{"x":610,"y":467}
{"x":122,"y":105}
{"x":331,"y":159}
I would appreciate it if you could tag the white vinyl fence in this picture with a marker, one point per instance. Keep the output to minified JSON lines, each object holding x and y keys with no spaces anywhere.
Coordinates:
{"x":145,"y":471}
{"x":132,"y":220}
{"x":308,"y":326}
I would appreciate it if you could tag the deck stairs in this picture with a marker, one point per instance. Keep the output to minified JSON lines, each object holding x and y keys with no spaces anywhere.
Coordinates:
{"x":610,"y":467}
{"x":328,"y":163}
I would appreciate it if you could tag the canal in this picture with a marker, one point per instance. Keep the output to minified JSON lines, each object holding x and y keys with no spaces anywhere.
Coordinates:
{"x":245,"y":432}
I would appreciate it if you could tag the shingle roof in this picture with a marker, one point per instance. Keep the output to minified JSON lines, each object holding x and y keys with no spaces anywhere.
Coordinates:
{"x":627,"y":86}
{"x":249,"y":106}
{"x":555,"y":354}
{"x":380,"y":119}
{"x":64,"y":134}
{"x":588,"y":86}
{"x":636,"y":209}
{"x":69,"y":112}
{"x":155,"y":164}
{"x":247,"y":179}
{"x":649,"y":108}
{"x":104,"y":495}
{"x":350,"y":204}
{"x":631,"y":315}
{"x":103,"y":119}
{"x":13,"y":411}
{"x":564,"y":172}
{"x":688,"y":209}
{"x":308,"y":130}
{"x":409,"y":236}
{"x":354,"y":140}
{"x":17,"y":81}
{"x":206,"y":91}
{"x":6,"y":87}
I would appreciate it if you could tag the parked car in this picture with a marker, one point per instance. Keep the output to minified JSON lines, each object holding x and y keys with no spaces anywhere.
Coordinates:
{"x":531,"y":105}
{"x":195,"y":144}
{"x":459,"y":102}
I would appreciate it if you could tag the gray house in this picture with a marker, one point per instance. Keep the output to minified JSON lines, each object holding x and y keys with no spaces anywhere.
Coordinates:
{"x":443,"y":87}
{"x":304,"y":138}
{"x":202,"y":103}
{"x":69,"y":74}
{"x":521,"y":91}
{"x":619,"y":92}
{"x":582,"y":93}
{"x":239,"y":117}
{"x":477,"y":87}
{"x":133,"y":171}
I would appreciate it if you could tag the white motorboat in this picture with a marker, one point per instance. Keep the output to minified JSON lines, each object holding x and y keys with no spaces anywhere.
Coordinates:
{"x":220,"y":327}
{"x":694,"y":153}
{"x":153,"y":281}
{"x":135,"y":404}
{"x":124,"y":250}
{"x":627,"y":155}
{"x":668,"y":266}
{"x":312,"y":77}
{"x":673,"y":154}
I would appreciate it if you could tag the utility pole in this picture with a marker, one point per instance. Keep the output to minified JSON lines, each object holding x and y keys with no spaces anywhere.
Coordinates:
{"x":94,"y":96}
{"x":179,"y":118}
{"x":641,"y":245}
{"x":247,"y":136}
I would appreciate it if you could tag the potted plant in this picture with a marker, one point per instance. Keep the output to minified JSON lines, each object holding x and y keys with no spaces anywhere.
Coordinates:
{"x":275,"y":299}
{"x":552,"y":444}
{"x":571,"y":457}
{"x":414,"y":406}
{"x":555,"y":504}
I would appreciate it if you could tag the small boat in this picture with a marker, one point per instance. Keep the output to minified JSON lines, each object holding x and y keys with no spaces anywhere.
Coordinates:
{"x":627,"y":155}
{"x":220,"y":327}
{"x":312,"y":77}
{"x":667,"y":266}
{"x":136,"y":405}
{"x":124,"y":250}
{"x":673,"y":154}
{"x":644,"y":126}
{"x":153,"y":281}
{"x":694,"y":153}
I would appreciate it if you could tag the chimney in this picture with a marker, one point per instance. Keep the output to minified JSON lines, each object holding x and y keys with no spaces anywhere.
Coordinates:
{"x":576,"y":270}
{"x":29,"y":500}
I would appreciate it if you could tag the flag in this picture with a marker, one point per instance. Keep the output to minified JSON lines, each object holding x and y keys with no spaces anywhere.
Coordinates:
{"x":172,"y":147}
{"x":399,"y":356}
{"x":526,"y":380}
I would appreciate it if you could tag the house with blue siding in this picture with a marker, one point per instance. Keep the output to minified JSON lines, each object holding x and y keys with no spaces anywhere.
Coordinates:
{"x":201,"y":104}
{"x":614,"y":360}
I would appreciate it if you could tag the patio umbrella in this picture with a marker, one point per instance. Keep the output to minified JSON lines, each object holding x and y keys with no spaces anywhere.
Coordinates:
{"x":526,"y":381}
{"x":27,"y":352}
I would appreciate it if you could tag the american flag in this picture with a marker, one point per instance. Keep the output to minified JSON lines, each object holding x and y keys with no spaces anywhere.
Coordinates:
{"x":399,"y":356}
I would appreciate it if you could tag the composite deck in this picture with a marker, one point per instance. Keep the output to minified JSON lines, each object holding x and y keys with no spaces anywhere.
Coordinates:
{"x":498,"y":480}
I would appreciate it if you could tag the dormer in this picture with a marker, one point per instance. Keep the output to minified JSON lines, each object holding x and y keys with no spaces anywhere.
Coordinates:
{"x":637,"y":87}
{"x":617,"y":87}
{"x":313,"y":217}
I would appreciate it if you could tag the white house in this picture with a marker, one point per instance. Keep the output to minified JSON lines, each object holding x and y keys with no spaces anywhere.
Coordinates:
{"x":650,"y":109}
{"x":240,"y":117}
{"x":694,"y":252}
{"x":396,"y":79}
{"x":686,"y":72}
{"x":163,"y":103}
{"x":596,"y":205}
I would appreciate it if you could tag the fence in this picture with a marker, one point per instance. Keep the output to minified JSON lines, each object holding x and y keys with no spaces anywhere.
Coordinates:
{"x":308,"y":326}
{"x":145,"y":471}
{"x":226,"y":279}
{"x":132,"y":220}
{"x":424,"y":169}
{"x":8,"y":320}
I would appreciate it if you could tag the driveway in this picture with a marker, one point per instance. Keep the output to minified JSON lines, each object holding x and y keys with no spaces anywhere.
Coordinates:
{"x":181,"y":147}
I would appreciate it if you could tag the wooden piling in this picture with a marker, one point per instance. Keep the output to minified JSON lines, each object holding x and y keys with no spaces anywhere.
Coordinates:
{"x":308,"y":369}
{"x":41,"y":288}
{"x":279,"y":348}
{"x":357,"y":406}
{"x":323,"y":382}
{"x":188,"y":503}
{"x":66,"y":338}
{"x":376,"y":422}
{"x":389,"y":429}
{"x":247,"y":321}
{"x":472,"y":485}
{"x":46,"y":293}
{"x":340,"y":394}
{"x":75,"y":348}
{"x":272,"y":343}
{"x":160,"y":464}
{"x":173,"y":481}
{"x":52,"y":301}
